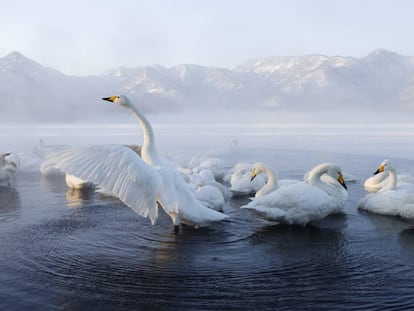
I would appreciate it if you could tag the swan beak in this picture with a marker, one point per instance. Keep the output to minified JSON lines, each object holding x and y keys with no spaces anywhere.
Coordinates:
{"x":110,"y":99}
{"x":379,"y":170}
{"x":253,"y":177}
{"x":342,"y":181}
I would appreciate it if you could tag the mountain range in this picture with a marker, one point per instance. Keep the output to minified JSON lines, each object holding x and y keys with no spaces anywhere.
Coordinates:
{"x":381,"y":83}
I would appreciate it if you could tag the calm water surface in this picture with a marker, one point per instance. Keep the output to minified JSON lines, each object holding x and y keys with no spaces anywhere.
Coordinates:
{"x":71,"y":250}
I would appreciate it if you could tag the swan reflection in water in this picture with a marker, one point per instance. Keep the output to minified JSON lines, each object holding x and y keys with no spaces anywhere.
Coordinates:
{"x":9,"y":201}
{"x":78,"y":197}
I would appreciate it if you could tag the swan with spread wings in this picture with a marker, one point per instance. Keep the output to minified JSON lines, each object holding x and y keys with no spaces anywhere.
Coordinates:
{"x":142,"y":183}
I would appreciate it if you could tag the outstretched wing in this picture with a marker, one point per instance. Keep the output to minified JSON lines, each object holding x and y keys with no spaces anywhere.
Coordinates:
{"x":118,"y":170}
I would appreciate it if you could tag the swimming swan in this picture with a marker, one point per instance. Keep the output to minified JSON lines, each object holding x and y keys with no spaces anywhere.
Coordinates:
{"x":305,"y":201}
{"x":273,"y":181}
{"x":140,"y":182}
{"x":381,"y":179}
{"x":393,"y":198}
{"x":9,"y":163}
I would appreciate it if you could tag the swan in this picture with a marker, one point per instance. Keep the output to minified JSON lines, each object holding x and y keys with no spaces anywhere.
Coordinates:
{"x":206,"y":178}
{"x":239,"y":178}
{"x":394,"y":198}
{"x":304,"y":201}
{"x":74,"y":182}
{"x":210,"y":197}
{"x":207,"y":190}
{"x":140,"y":182}
{"x":9,"y":163}
{"x":381,"y":179}
{"x":214,"y":165}
{"x":273,"y":181}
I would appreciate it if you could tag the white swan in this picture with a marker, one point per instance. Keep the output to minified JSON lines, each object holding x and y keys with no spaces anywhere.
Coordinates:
{"x":273,"y":181}
{"x":379,"y":180}
{"x":210,"y":196}
{"x":141,"y":183}
{"x":9,"y":163}
{"x":74,"y":182}
{"x":239,"y":178}
{"x":393,"y":198}
{"x":207,"y":190}
{"x":302,"y":202}
{"x":206,"y":177}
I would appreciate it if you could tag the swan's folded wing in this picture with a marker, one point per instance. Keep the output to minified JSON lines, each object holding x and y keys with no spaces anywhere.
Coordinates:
{"x":117,"y":169}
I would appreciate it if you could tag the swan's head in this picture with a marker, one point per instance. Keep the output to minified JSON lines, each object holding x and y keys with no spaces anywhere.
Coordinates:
{"x":10,"y":159}
{"x":3,"y":157}
{"x":257,"y":169}
{"x":340,"y":178}
{"x":386,"y":165}
{"x":335,"y":172}
{"x":120,"y":100}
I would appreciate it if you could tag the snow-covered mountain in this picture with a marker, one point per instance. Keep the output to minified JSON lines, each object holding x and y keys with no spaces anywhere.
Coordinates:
{"x":380,"y":81}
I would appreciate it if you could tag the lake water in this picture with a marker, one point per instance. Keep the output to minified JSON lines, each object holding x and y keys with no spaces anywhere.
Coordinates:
{"x":69,"y":250}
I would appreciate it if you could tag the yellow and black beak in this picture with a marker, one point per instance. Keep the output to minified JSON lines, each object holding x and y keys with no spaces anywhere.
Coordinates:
{"x":253,"y":176}
{"x":341,"y":180}
{"x":110,"y":99}
{"x":379,"y":170}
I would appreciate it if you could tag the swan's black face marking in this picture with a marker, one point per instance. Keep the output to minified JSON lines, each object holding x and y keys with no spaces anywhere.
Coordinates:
{"x":380,"y":169}
{"x":253,"y":176}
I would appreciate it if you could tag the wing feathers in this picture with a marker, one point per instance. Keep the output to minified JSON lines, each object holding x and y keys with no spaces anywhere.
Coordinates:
{"x":118,"y":170}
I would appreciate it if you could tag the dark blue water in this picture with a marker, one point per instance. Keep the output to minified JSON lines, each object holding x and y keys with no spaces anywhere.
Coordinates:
{"x":68,"y":250}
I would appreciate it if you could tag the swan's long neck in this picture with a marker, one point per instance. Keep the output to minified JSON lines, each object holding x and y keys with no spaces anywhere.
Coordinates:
{"x":270,"y":185}
{"x":392,"y":181}
{"x":148,"y":151}
{"x":315,"y":177}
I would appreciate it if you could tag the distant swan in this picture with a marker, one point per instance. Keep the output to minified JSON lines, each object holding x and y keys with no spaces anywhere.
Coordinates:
{"x":305,"y":201}
{"x":141,"y":183}
{"x":9,"y":163}
{"x":393,"y":198}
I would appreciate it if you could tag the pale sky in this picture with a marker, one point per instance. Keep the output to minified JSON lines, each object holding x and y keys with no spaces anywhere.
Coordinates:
{"x":84,"y":37}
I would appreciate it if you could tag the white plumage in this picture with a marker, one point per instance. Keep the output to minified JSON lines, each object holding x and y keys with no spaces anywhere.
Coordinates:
{"x":9,"y":163}
{"x":141,"y":183}
{"x":305,"y":201}
{"x":380,"y":180}
{"x":239,"y":178}
{"x":393,"y":198}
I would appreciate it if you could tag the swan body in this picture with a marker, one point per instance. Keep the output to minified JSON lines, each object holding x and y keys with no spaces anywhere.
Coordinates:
{"x":214,"y":165}
{"x":208,"y":191}
{"x":140,"y":182}
{"x":304,"y":201}
{"x":394,"y":198}
{"x":210,"y":197}
{"x":9,"y":163}
{"x":206,"y":177}
{"x":74,"y":182}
